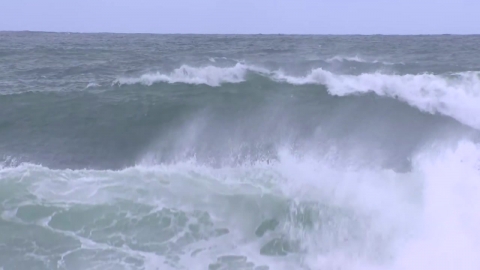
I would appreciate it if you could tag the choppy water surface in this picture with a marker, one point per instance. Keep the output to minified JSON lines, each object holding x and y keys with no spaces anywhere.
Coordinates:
{"x":239,"y":152}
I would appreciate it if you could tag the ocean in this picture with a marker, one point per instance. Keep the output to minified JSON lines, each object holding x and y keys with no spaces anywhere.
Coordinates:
{"x":252,"y":152}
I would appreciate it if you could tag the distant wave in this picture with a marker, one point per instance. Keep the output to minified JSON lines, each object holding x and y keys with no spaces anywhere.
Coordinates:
{"x":209,"y":75}
{"x":358,"y":59}
{"x":92,"y":85}
{"x":456,"y":95}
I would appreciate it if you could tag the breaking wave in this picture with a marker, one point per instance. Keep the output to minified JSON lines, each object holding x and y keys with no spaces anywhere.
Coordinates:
{"x":454,"y":95}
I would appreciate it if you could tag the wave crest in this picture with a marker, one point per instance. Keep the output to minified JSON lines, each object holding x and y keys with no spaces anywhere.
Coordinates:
{"x":457,"y":95}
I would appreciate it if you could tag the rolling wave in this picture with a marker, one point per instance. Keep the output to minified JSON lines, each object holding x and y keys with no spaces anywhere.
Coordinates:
{"x":454,"y":95}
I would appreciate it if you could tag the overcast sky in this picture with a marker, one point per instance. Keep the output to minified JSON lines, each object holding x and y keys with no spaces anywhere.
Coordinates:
{"x":244,"y":16}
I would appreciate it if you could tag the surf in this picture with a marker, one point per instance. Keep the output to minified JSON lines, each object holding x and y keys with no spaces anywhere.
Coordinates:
{"x":304,"y":211}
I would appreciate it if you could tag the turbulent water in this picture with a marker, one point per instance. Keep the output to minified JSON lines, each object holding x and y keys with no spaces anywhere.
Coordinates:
{"x":239,"y":152}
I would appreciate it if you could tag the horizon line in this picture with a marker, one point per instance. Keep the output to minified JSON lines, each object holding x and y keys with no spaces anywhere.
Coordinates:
{"x":225,"y":34}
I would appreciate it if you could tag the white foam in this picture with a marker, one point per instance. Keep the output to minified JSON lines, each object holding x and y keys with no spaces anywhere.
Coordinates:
{"x":425,"y":219}
{"x":449,"y":238}
{"x":457,"y":96}
{"x":209,"y":75}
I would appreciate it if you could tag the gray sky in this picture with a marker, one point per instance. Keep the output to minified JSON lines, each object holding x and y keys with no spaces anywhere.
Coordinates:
{"x":244,"y":16}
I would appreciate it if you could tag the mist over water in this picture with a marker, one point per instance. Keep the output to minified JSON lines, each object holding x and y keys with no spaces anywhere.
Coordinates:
{"x":239,"y":152}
